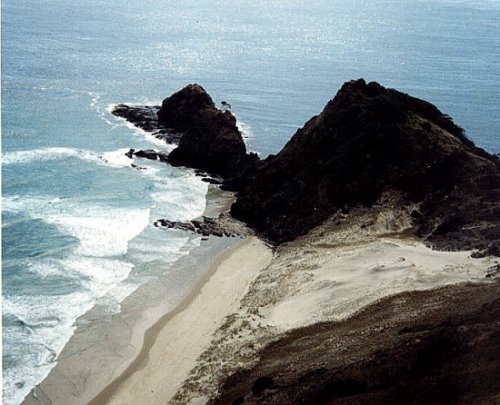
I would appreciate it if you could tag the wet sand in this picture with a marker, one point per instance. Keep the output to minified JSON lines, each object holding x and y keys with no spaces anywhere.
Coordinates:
{"x":173,"y":344}
{"x":104,"y":345}
{"x":328,"y":276}
{"x":254,"y":296}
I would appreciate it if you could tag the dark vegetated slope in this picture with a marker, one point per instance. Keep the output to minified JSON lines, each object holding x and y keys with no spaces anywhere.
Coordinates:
{"x":427,"y":347}
{"x":368,"y":140}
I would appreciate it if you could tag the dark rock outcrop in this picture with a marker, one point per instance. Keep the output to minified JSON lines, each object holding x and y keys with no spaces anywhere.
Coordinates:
{"x":180,"y":109}
{"x":369,"y":140}
{"x":148,"y":154}
{"x":146,"y":118}
{"x":183,"y":226}
{"x":205,"y":226}
{"x":207,"y":138}
{"x":211,"y":140}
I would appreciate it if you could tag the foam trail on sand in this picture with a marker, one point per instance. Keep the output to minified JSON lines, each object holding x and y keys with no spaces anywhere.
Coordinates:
{"x":94,"y":271}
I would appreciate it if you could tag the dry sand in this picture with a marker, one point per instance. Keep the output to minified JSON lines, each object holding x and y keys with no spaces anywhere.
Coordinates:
{"x":172,"y":346}
{"x":253,"y":296}
{"x":104,"y":344}
{"x":328,"y":275}
{"x":334,"y":283}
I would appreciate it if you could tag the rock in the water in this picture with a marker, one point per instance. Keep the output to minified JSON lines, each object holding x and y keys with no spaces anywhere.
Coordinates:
{"x":146,"y":118}
{"x":183,"y":226}
{"x":148,"y":154}
{"x":369,"y":140}
{"x":208,"y":138}
{"x":151,"y":154}
{"x":138,"y":167}
{"x":206,"y":226}
{"x":211,"y":139}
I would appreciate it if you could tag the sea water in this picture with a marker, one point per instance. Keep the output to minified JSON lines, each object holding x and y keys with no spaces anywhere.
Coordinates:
{"x":77,"y":218}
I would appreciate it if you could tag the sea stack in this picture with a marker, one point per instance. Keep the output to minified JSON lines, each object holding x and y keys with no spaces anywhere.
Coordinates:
{"x":207,"y":138}
{"x":211,"y":140}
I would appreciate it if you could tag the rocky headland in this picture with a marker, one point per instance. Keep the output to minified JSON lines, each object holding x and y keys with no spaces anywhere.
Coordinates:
{"x":382,"y":283}
{"x":207,"y":138}
{"x":368,"y":142}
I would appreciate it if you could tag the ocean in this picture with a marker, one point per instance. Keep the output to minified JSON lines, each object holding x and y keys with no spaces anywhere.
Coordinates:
{"x":77,"y":219}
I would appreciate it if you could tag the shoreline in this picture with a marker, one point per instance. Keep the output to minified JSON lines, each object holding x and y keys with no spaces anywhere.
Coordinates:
{"x":250,"y":296}
{"x":104,"y":344}
{"x":215,"y":279}
{"x":151,"y":334}
{"x":327,"y":277}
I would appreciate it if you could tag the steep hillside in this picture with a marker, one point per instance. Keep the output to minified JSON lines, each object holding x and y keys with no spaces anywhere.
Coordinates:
{"x":366,"y":141}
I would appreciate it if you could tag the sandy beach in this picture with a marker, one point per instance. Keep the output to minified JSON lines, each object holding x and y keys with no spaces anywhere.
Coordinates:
{"x":172,"y":346}
{"x":248,"y":297}
{"x":104,"y":345}
{"x":329,"y":275}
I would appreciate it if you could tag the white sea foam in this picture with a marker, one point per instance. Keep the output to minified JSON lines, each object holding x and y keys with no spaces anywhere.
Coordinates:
{"x":102,"y":231}
{"x":47,"y":269}
{"x":96,"y":266}
{"x":96,"y":97}
{"x":97,"y":276}
{"x":45,"y":154}
{"x":245,"y":129}
{"x":114,"y":158}
{"x":145,"y":249}
{"x":182,"y":198}
{"x":19,"y":204}
{"x":47,"y":324}
{"x":103,"y":113}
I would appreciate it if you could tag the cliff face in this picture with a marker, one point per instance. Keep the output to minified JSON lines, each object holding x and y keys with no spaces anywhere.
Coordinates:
{"x":369,"y":140}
